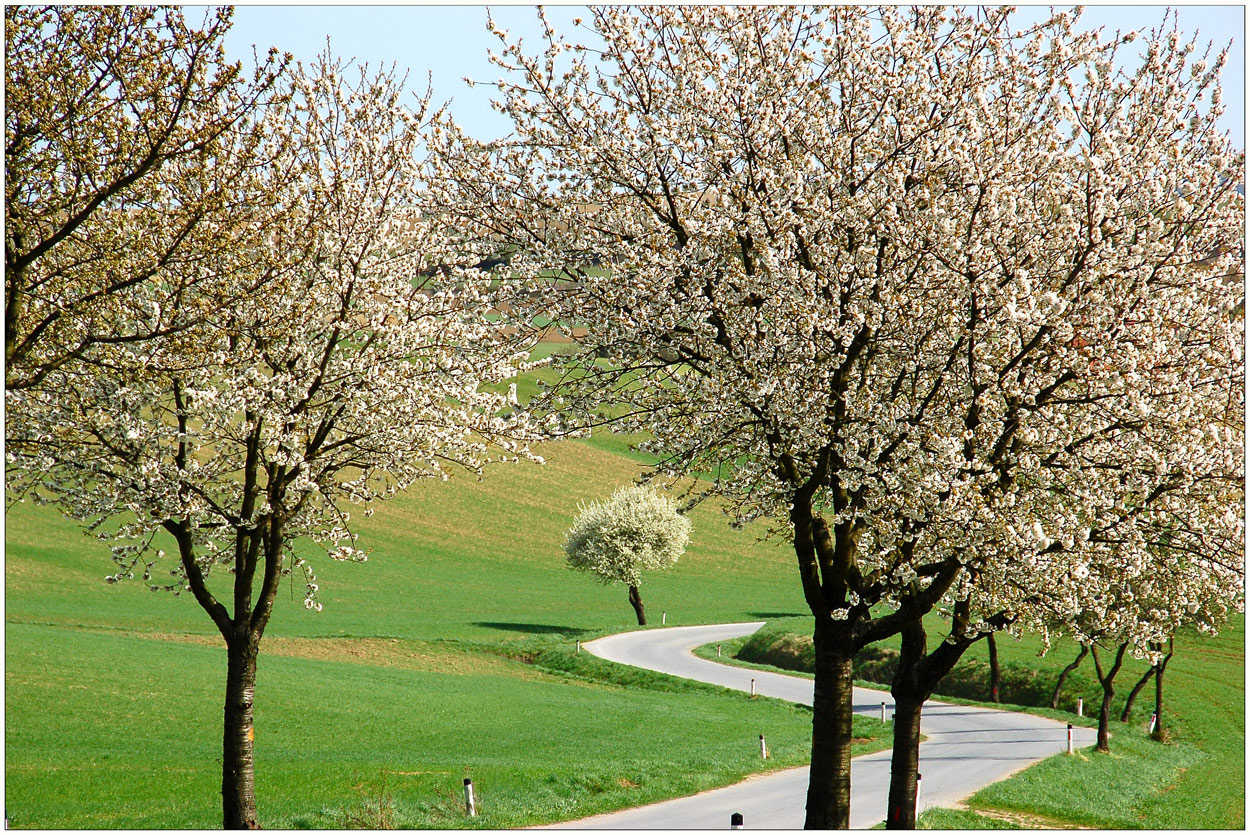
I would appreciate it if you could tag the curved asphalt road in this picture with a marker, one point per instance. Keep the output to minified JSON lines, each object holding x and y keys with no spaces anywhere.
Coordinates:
{"x":967,"y":747}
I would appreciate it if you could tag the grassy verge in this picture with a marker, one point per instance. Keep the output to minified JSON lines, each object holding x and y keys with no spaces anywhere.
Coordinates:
{"x":367,"y":732}
{"x":1105,"y":791}
{"x":966,"y":819}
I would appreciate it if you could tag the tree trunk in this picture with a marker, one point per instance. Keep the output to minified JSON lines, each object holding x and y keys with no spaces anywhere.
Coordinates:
{"x":15,"y":295}
{"x":256,"y":548}
{"x":910,"y":688}
{"x":635,"y":600}
{"x":1054,"y":699}
{"x":829,"y":785}
{"x":1132,"y":695}
{"x":1157,"y":734}
{"x":238,"y":795}
{"x":919,"y":671}
{"x":1104,"y":718}
{"x":904,"y":765}
{"x":994,"y":672}
{"x":1107,"y":680}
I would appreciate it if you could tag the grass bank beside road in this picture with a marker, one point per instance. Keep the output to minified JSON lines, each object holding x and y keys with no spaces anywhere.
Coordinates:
{"x":122,"y":730}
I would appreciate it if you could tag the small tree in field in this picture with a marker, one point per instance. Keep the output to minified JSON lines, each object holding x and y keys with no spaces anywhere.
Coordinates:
{"x":635,"y":530}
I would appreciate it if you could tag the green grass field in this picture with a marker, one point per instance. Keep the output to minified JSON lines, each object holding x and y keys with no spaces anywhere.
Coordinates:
{"x":449,"y":654}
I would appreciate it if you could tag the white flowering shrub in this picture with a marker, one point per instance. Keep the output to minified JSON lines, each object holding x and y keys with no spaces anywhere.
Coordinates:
{"x":635,"y":530}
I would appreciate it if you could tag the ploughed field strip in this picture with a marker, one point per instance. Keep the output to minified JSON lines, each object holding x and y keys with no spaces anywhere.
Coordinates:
{"x":966,"y":749}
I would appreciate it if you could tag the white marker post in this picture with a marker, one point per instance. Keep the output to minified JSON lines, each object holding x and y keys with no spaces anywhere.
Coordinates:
{"x":663,"y":618}
{"x":883,"y":711}
{"x":470,"y":807}
{"x":718,"y":650}
{"x":752,"y":688}
{"x":1154,"y":721}
{"x":579,"y":646}
{"x":1069,"y":737}
{"x":916,"y":811}
{"x":763,"y":748}
{"x":1080,"y":706}
{"x":735,"y":820}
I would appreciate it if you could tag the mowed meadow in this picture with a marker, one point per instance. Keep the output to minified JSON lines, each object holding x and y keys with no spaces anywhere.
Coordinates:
{"x":449,"y":654}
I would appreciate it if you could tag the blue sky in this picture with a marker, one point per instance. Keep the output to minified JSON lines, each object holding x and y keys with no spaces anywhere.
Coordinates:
{"x":448,"y":43}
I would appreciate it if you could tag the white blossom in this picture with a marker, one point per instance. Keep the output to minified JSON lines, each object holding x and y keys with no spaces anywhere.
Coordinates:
{"x":637,"y":529}
{"x":332,"y":364}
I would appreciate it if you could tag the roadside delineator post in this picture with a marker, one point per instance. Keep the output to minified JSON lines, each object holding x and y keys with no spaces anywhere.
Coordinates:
{"x":916,"y":811}
{"x":579,"y":646}
{"x":1080,"y":706}
{"x":752,"y":688}
{"x":763,"y":748}
{"x":663,"y":618}
{"x":1154,"y":721}
{"x":470,"y":807}
{"x":1069,"y":737}
{"x":883,"y":711}
{"x":718,"y":650}
{"x":735,"y":820}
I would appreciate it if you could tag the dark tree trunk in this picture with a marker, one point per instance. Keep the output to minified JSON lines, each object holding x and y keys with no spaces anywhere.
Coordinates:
{"x":1107,"y":680}
{"x":1157,"y":734}
{"x":15,"y":285}
{"x":238,"y":795}
{"x":255,"y":549}
{"x":918,"y":673}
{"x":1080,"y":656}
{"x":635,"y":600}
{"x":904,"y":765}
{"x":829,"y":785}
{"x":994,"y":672}
{"x":828,"y":570}
{"x":1132,"y":694}
{"x":1104,"y":718}
{"x":909,"y":691}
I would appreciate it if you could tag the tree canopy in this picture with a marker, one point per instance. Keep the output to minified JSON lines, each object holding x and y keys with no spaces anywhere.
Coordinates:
{"x":635,"y":530}
{"x":136,"y":165}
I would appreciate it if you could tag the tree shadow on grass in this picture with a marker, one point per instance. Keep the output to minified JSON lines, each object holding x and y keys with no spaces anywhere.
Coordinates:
{"x":533,"y":628}
{"x":777,"y":615}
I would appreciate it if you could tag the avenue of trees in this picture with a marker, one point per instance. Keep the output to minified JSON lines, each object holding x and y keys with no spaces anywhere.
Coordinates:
{"x":949,"y":303}
{"x":956,"y":309}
